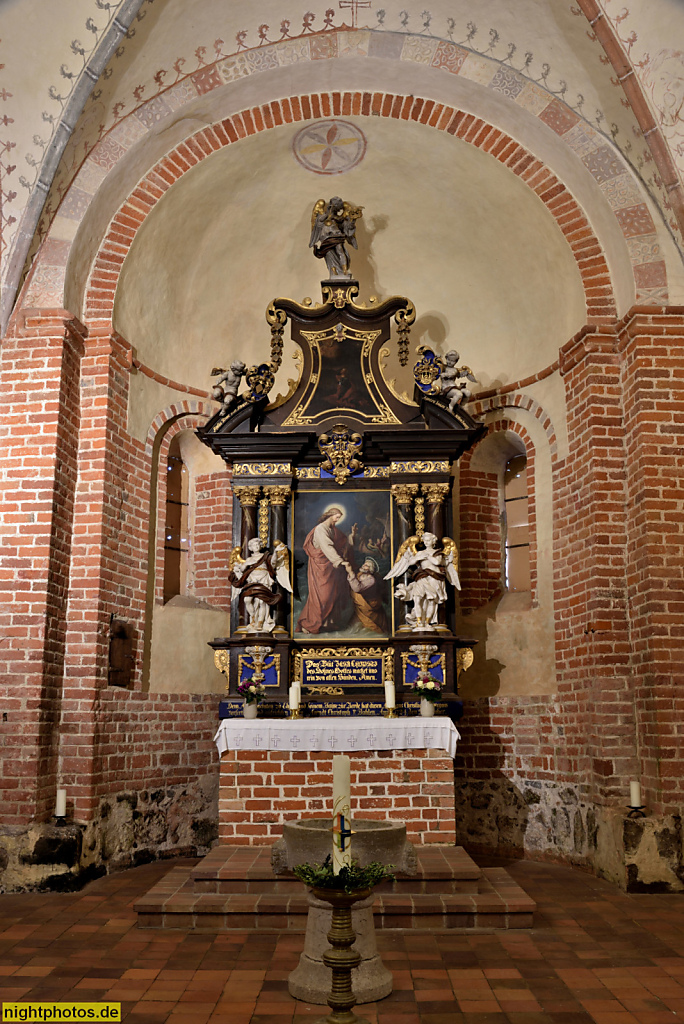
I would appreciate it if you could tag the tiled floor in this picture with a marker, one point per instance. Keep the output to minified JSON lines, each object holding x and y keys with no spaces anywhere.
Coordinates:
{"x":595,"y":954}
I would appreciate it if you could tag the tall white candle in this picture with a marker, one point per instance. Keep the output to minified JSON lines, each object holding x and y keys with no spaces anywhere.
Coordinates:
{"x":341,"y":806}
{"x":293,"y":702}
{"x":60,"y":803}
{"x":634,"y":794}
{"x":390,"y":695}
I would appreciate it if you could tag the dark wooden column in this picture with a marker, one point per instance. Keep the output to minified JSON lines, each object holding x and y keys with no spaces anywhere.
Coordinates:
{"x":435,"y":498}
{"x":248,"y":498}
{"x":279,"y":495}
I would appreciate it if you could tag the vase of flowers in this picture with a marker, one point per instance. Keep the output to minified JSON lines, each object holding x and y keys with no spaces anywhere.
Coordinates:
{"x":253,"y":692}
{"x":429,"y":690}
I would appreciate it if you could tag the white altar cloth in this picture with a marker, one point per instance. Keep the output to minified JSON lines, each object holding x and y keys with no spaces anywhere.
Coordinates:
{"x":372,"y":733}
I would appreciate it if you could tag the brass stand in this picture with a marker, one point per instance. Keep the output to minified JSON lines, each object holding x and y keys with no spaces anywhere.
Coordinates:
{"x":390,"y":713}
{"x":294,"y":713}
{"x":341,"y":959}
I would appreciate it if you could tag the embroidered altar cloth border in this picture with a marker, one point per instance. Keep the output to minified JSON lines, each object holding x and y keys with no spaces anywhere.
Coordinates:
{"x":338,"y":734}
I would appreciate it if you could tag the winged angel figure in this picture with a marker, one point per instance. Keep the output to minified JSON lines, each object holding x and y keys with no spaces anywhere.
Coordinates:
{"x":433,"y":568}
{"x":255,"y":577}
{"x":333,"y":224}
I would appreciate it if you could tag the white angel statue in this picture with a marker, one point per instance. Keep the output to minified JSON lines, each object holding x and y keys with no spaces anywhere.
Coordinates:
{"x":255,"y":577}
{"x":434,"y":567}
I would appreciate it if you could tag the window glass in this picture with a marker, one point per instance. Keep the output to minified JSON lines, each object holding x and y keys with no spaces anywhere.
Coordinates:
{"x":516,"y":522}
{"x":176,"y":541}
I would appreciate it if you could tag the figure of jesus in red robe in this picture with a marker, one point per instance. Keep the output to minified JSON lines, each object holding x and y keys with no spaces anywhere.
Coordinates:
{"x":331,"y":555}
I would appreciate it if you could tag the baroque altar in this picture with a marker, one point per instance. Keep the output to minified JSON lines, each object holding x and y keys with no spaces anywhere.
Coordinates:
{"x":343,"y":568}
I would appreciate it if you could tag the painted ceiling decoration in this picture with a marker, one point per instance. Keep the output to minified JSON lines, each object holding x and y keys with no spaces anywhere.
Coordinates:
{"x":109,"y":78}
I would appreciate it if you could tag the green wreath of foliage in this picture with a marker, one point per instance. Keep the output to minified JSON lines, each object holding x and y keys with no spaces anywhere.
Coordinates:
{"x":350,"y":878}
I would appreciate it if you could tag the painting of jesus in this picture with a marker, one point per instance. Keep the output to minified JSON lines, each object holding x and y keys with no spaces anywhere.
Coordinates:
{"x":340,"y":587}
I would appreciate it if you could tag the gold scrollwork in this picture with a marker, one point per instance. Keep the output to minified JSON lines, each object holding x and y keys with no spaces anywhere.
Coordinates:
{"x":420,"y":466}
{"x":335,"y":691}
{"x":222,"y":663}
{"x":343,"y":652}
{"x":373,"y":472}
{"x":308,"y":473}
{"x":388,"y":665}
{"x":341,"y":448}
{"x":262,"y":469}
{"x":464,"y":659}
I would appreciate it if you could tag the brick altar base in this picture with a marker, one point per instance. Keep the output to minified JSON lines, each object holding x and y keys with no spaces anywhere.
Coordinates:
{"x":260,"y":789}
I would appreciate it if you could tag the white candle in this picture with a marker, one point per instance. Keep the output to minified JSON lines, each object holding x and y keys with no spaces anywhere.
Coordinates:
{"x":293,"y":702}
{"x":341,"y":806}
{"x":634,"y":794}
{"x":60,"y":804}
{"x":390,"y":696}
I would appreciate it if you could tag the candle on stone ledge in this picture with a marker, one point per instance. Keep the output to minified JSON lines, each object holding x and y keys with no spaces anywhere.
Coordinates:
{"x":295,"y":696}
{"x":390,"y":695}
{"x":341,"y":812}
{"x":634,"y":794}
{"x":60,"y":803}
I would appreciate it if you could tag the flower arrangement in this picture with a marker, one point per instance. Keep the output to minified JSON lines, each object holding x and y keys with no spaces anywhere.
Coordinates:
{"x":350,"y":878}
{"x":251,"y":691}
{"x":428,"y":687}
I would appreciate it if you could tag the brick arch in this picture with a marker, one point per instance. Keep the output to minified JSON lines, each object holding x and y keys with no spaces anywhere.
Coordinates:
{"x":585,"y":246}
{"x":202,"y":410}
{"x":498,"y":403}
{"x":481,"y":539}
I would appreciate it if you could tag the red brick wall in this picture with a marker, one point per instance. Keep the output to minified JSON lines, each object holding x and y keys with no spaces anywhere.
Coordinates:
{"x":212,"y":538}
{"x":651,"y":345}
{"x":260,"y":789}
{"x":39,"y":385}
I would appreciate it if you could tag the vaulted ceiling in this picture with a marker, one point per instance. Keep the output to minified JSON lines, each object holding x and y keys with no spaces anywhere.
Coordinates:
{"x":96,"y":95}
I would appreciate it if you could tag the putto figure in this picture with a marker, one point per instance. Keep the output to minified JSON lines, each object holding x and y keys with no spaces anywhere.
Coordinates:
{"x":333,"y":225}
{"x":433,"y":567}
{"x":453,"y":387}
{"x":226,"y":388}
{"x":256,"y":577}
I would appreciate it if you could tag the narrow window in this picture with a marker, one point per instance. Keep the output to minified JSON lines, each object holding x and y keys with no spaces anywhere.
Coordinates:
{"x":517,"y":526}
{"x":176,"y":542}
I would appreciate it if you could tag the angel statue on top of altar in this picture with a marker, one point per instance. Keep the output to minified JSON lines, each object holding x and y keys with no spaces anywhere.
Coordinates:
{"x":433,"y":567}
{"x":333,"y":225}
{"x":258,"y":577}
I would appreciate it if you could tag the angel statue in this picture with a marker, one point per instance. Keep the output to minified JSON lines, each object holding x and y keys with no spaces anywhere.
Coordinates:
{"x":255,"y":577}
{"x":333,"y":224}
{"x":230,"y":379}
{"x":433,"y":568}
{"x":452,"y":383}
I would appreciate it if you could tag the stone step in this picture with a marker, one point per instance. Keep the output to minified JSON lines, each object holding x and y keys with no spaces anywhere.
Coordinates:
{"x":173,"y":903}
{"x":237,"y":869}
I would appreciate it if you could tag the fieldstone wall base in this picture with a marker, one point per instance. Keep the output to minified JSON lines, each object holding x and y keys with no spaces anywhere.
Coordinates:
{"x":129,"y":828}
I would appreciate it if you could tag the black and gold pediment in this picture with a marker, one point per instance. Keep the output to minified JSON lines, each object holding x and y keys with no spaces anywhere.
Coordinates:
{"x":341,"y":342}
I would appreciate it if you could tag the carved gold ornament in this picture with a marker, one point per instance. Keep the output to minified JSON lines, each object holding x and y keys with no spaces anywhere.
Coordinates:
{"x":464,"y":659}
{"x":420,"y":516}
{"x":420,"y":466}
{"x":278,"y":494}
{"x":247,"y":495}
{"x":404,"y":494}
{"x":435,"y":493}
{"x":340,"y":448}
{"x":262,"y":469}
{"x":263,"y":520}
{"x":222,"y":663}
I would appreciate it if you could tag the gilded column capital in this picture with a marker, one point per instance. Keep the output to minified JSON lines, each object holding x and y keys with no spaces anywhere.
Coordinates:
{"x":279,"y":494}
{"x":435,"y":493}
{"x":247,"y":495}
{"x":404,"y":494}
